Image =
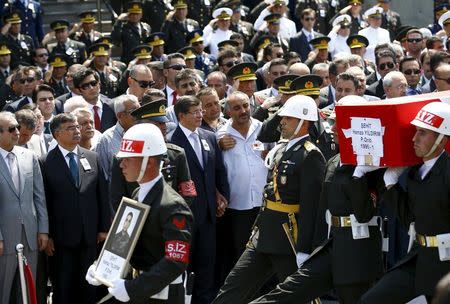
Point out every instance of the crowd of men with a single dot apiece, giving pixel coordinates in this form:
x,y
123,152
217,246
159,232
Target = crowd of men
x,y
220,117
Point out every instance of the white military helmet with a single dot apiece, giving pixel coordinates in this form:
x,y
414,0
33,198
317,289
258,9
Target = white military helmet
x,y
434,116
142,140
300,106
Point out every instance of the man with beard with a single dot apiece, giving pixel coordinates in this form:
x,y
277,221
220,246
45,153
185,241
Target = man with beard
x,y
244,80
212,120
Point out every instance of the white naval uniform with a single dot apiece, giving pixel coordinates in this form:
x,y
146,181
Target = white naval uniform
x,y
213,37
287,27
375,36
337,44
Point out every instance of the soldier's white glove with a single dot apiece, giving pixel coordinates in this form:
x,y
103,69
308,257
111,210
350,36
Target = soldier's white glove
x,y
301,258
361,170
392,174
119,291
90,276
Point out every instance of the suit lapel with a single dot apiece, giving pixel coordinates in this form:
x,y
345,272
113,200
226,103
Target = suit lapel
x,y
81,171
204,152
6,174
60,157
187,146
21,172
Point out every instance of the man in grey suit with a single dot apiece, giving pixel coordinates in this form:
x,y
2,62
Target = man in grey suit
x,y
22,205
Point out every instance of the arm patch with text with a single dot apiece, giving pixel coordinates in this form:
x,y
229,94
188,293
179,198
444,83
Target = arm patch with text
x,y
177,251
187,188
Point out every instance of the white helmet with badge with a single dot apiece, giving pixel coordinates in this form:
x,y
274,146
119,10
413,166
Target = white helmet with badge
x,y
300,106
434,116
142,140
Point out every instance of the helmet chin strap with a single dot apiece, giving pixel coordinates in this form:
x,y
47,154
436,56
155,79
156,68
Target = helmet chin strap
x,y
436,143
299,126
143,167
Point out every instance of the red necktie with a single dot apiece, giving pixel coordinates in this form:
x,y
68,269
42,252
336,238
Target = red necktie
x,y
174,98
97,118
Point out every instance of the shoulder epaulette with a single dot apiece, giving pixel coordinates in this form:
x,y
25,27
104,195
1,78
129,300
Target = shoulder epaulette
x,y
309,146
174,147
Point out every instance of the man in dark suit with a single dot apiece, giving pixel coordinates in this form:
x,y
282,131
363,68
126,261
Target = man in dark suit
x,y
29,78
79,212
386,62
300,42
64,45
88,83
210,179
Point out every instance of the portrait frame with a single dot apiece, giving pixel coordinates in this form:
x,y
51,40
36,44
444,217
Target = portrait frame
x,y
114,258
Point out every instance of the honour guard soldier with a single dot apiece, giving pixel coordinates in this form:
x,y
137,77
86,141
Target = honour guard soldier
x,y
320,53
58,64
129,31
162,251
244,74
142,54
76,51
284,229
423,201
156,41
345,260
109,75
203,61
177,27
357,45
87,35
20,45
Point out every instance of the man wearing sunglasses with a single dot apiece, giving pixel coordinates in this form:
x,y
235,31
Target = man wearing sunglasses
x,y
300,42
174,64
385,62
88,83
29,80
410,67
414,43
139,80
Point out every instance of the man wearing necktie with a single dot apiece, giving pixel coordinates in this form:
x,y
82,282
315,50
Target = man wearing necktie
x,y
22,205
79,210
209,176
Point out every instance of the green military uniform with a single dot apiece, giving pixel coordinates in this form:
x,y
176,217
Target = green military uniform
x,y
320,43
58,61
154,13
130,35
174,169
76,51
21,47
290,202
87,38
358,41
114,63
109,75
177,31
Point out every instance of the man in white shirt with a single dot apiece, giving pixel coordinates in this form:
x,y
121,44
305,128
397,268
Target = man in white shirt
x,y
213,36
245,168
339,35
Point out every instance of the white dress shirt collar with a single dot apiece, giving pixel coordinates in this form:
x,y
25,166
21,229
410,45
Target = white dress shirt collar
x,y
146,187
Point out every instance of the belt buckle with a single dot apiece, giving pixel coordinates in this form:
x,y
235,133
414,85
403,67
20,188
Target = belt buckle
x,y
421,240
432,241
346,221
335,221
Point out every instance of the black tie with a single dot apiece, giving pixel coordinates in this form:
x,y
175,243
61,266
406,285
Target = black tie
x,y
47,128
6,73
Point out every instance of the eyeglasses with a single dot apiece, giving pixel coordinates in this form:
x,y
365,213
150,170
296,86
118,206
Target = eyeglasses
x,y
42,55
177,67
387,65
231,63
414,40
13,128
198,113
28,79
309,19
412,71
144,84
73,128
89,85
444,79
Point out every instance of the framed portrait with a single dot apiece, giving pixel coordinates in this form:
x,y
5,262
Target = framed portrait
x,y
122,238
